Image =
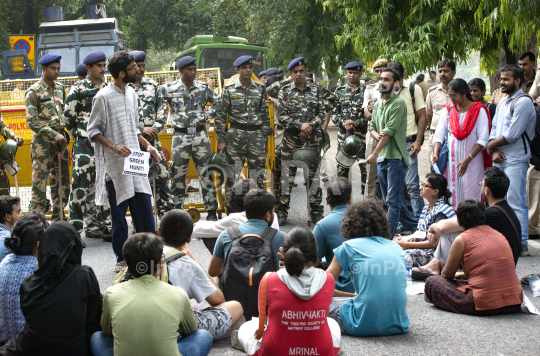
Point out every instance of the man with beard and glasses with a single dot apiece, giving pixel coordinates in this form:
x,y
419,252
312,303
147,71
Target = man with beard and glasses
x,y
389,128
113,127
438,97
509,146
82,206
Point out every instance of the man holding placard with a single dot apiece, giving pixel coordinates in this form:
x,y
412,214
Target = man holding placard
x,y
114,128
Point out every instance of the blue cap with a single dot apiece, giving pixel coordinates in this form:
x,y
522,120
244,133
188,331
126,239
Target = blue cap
x,y
50,58
272,71
186,61
81,69
139,56
297,62
94,57
280,71
354,66
242,60
262,73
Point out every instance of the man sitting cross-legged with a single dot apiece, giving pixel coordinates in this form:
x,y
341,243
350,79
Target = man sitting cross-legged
x,y
175,230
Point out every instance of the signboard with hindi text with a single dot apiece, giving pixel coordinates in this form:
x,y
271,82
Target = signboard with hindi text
x,y
24,42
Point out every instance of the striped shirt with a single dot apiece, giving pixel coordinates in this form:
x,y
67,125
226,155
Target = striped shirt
x,y
115,116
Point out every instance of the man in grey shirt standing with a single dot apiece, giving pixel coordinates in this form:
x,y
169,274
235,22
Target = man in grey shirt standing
x,y
113,129
509,143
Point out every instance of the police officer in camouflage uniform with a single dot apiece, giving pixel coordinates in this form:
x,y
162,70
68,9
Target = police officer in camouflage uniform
x,y
6,132
187,101
82,206
246,104
348,115
152,119
301,113
45,116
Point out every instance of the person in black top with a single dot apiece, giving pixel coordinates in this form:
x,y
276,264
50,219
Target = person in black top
x,y
499,216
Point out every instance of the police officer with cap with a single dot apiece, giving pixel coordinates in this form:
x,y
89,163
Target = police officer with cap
x,y
188,99
82,205
44,103
262,76
152,119
301,113
348,114
245,103
81,71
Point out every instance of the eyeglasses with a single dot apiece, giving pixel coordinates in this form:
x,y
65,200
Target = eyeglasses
x,y
135,67
453,96
481,184
424,185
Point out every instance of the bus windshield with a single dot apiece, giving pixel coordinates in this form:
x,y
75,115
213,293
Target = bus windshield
x,y
224,58
68,63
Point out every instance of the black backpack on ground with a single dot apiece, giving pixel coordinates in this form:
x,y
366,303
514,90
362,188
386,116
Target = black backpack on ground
x,y
248,259
534,143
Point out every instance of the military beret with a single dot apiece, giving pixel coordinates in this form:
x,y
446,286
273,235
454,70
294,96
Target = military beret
x,y
262,73
50,58
354,66
280,71
242,60
94,57
271,71
139,56
309,75
297,62
185,61
81,69
380,63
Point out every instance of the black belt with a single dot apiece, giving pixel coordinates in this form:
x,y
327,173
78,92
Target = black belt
x,y
235,125
184,130
410,138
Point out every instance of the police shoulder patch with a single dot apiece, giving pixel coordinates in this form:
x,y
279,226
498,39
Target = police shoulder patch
x,y
433,88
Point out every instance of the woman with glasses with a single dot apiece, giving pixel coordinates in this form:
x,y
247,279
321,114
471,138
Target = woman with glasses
x,y
465,131
434,189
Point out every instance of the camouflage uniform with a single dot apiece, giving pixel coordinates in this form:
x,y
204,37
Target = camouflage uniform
x,y
82,206
250,125
152,114
6,132
45,116
187,110
349,107
296,107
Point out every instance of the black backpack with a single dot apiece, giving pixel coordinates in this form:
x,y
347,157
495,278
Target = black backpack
x,y
534,144
248,259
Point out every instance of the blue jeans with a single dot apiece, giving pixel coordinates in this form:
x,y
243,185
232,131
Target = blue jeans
x,y
142,215
391,173
197,344
412,180
517,196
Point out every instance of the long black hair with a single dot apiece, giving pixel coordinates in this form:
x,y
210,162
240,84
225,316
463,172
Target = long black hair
x,y
26,233
299,248
461,87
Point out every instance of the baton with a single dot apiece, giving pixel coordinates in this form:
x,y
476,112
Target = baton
x,y
16,185
61,208
155,204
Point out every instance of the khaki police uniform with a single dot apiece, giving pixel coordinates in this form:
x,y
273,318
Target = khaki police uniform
x,y
371,91
436,99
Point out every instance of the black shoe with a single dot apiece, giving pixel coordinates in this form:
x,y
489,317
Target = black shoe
x,y
107,235
96,234
211,216
534,237
282,221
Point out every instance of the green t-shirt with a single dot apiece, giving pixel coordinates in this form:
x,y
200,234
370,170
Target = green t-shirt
x,y
144,315
392,119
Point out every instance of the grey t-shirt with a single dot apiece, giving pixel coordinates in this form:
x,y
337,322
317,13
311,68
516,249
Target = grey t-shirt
x,y
188,275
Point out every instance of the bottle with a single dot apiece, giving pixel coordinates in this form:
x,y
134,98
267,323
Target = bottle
x,y
408,267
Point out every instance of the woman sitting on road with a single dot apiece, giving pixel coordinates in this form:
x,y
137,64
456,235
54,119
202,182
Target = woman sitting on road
x,y
491,286
434,189
297,302
376,265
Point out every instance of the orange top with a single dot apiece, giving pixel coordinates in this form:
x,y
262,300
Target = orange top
x,y
489,264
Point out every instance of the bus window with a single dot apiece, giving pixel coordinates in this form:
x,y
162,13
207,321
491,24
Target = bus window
x,y
224,58
68,61
108,50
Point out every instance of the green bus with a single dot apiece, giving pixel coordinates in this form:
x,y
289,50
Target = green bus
x,y
221,52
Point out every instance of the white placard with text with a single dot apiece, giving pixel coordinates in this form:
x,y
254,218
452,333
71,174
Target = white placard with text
x,y
137,164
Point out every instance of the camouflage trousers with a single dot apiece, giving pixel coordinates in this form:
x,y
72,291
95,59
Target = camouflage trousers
x,y
343,171
164,198
45,166
4,183
250,145
184,147
284,181
82,200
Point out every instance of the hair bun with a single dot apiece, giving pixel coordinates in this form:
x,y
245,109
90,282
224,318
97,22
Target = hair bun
x,y
448,194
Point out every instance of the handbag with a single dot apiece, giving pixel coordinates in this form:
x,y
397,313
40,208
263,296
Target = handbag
x,y
262,305
442,158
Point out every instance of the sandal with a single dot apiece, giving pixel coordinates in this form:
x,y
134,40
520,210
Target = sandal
x,y
422,275
120,266
527,279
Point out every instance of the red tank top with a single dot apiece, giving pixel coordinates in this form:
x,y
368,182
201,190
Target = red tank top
x,y
297,326
489,264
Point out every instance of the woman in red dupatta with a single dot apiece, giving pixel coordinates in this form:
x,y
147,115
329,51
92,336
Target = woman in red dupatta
x,y
465,130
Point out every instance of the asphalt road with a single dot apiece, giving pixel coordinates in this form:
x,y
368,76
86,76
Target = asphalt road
x,y
432,331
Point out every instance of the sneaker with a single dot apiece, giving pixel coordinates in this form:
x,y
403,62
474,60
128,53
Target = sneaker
x,y
211,216
525,252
